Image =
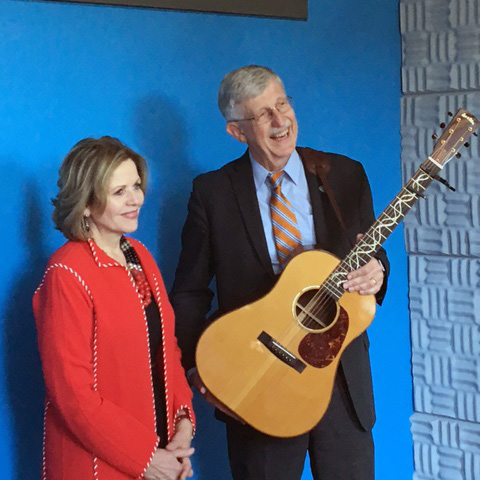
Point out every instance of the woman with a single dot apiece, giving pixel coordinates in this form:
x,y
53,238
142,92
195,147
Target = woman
x,y
118,404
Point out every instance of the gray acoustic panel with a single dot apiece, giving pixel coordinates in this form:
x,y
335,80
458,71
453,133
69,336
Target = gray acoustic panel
x,y
441,45
441,73
445,448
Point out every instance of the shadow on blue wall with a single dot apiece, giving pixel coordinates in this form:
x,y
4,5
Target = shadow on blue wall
x,y
162,137
22,361
210,460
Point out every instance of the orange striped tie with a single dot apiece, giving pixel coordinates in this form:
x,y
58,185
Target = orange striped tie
x,y
285,228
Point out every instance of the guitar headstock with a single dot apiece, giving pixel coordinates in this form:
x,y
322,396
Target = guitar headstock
x,y
453,137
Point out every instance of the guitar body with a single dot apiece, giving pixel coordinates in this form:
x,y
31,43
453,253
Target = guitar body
x,y
272,370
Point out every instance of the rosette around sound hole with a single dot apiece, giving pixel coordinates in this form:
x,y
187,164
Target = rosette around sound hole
x,y
315,309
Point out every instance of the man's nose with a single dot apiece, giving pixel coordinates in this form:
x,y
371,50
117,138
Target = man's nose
x,y
277,118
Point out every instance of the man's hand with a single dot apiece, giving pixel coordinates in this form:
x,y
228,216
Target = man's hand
x,y
195,381
367,280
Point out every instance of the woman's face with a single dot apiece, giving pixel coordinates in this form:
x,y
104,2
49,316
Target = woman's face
x,y
124,199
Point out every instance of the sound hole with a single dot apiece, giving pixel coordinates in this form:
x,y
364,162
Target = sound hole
x,y
315,313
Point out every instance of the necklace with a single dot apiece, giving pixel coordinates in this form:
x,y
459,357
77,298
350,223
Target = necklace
x,y
135,268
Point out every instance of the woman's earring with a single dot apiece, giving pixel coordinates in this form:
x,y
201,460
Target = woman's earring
x,y
85,223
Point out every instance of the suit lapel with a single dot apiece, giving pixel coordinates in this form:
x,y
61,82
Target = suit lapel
x,y
244,188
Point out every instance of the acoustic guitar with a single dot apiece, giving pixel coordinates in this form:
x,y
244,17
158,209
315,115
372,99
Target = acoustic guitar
x,y
273,362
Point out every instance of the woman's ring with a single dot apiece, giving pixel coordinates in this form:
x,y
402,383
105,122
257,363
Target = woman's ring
x,y
374,282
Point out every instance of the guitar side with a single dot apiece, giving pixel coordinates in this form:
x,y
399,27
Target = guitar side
x,y
262,385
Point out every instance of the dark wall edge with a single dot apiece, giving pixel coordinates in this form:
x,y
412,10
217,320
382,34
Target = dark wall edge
x,y
297,9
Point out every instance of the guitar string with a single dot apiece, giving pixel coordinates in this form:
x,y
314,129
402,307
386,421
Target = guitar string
x,y
359,255
323,296
393,213
421,180
325,300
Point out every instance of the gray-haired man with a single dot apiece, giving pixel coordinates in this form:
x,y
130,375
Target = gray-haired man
x,y
228,235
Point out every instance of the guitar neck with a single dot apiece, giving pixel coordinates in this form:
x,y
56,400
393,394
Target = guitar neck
x,y
456,133
370,243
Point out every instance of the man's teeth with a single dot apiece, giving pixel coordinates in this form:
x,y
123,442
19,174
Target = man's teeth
x,y
281,134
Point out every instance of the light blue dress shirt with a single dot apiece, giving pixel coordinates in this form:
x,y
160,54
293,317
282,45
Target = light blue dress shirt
x,y
295,189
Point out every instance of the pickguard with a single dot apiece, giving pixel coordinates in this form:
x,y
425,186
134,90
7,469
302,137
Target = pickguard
x,y
320,349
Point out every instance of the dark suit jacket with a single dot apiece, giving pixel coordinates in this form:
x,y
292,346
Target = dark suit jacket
x,y
223,238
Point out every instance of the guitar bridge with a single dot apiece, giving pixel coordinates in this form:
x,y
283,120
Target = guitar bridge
x,y
281,352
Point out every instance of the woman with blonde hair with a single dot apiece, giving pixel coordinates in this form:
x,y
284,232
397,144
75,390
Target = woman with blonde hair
x,y
118,405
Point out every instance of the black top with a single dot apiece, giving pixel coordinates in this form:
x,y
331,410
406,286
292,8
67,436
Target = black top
x,y
156,358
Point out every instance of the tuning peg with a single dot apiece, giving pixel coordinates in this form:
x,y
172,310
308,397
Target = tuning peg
x,y
434,136
467,144
475,133
458,155
442,125
450,114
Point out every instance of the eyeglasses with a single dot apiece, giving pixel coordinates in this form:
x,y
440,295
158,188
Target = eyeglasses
x,y
266,114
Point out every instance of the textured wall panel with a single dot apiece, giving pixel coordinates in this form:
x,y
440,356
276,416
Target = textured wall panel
x,y
445,448
454,305
435,241
441,73
441,45
465,13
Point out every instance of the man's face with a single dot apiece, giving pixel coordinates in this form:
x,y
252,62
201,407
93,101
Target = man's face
x,y
270,143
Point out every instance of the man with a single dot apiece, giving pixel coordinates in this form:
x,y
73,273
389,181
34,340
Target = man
x,y
231,235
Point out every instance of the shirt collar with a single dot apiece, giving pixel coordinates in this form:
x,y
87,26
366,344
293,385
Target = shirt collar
x,y
292,169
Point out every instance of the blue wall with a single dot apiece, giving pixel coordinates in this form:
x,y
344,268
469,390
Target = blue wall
x,y
150,77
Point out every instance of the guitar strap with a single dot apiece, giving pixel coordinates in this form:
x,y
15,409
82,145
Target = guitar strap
x,y
318,163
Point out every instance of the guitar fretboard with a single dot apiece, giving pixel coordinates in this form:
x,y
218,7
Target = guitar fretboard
x,y
373,239
455,134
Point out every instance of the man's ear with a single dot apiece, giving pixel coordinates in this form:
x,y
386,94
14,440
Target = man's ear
x,y
233,129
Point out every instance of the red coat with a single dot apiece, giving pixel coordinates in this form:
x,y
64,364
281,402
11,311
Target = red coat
x,y
93,342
